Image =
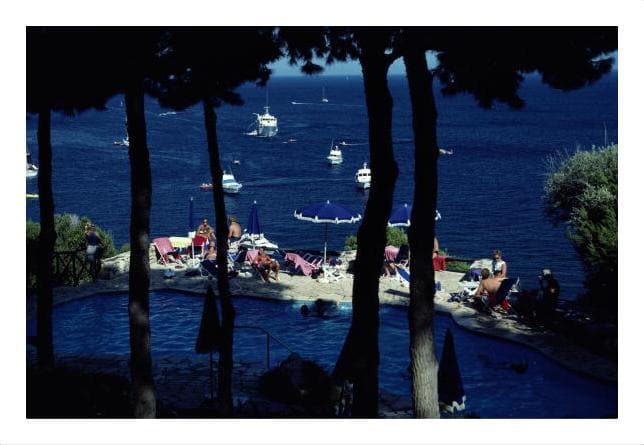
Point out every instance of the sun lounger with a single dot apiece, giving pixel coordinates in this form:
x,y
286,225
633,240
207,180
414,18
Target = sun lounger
x,y
405,278
305,267
167,253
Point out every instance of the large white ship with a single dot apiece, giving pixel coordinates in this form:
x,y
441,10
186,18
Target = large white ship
x,y
265,126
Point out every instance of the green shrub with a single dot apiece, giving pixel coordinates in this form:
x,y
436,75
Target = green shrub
x,y
70,236
457,266
581,192
396,237
351,242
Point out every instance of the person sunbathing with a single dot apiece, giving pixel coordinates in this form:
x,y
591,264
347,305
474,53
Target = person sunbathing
x,y
265,265
211,255
488,288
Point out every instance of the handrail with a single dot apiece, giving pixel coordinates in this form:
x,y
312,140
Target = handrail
x,y
268,342
66,269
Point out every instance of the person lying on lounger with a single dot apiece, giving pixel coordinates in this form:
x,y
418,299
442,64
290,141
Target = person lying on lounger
x,y
265,265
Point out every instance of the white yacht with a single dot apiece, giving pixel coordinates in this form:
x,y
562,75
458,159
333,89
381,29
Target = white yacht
x,y
32,169
265,126
229,184
335,155
363,177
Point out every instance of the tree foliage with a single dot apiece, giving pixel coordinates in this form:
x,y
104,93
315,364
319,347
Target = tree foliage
x,y
581,191
70,236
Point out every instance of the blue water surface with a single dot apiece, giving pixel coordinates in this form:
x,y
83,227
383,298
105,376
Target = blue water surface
x,y
98,326
490,190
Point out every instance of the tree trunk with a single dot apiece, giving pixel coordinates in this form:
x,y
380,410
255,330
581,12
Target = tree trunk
x,y
224,389
424,368
359,358
139,277
47,240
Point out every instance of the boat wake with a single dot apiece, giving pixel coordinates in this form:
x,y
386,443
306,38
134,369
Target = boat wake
x,y
168,113
302,103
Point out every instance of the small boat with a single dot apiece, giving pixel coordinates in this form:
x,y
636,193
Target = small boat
x,y
229,184
236,162
32,196
125,142
324,99
363,177
168,113
32,169
335,155
443,151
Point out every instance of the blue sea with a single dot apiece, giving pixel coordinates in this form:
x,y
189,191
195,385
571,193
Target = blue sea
x,y
490,189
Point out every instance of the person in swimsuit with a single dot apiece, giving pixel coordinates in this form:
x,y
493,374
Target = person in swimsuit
x,y
499,267
265,265
488,288
234,229
204,228
93,249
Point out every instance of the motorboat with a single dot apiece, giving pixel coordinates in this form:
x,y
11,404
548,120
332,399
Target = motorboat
x,y
256,241
363,177
335,155
229,184
125,142
324,99
32,169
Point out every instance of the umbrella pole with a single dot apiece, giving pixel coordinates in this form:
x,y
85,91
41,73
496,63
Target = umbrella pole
x,y
326,228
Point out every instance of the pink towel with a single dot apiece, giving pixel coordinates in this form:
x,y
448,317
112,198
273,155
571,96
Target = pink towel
x,y
391,253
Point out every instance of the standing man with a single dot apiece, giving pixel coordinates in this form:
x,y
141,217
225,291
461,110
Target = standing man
x,y
234,229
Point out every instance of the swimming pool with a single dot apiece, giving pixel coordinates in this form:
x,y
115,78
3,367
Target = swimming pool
x,y
98,326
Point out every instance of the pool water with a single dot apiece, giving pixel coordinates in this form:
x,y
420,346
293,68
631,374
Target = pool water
x,y
98,326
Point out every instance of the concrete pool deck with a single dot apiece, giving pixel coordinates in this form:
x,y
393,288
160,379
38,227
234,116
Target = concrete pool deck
x,y
296,287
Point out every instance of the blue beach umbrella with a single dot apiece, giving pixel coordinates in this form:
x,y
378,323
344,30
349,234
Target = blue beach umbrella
x,y
451,396
401,216
253,228
327,213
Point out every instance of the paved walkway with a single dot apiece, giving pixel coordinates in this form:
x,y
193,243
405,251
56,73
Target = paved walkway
x,y
391,291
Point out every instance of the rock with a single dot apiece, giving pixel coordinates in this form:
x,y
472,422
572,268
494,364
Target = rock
x,y
296,381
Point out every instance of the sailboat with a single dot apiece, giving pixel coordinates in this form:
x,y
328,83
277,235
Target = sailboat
x,y
125,142
324,99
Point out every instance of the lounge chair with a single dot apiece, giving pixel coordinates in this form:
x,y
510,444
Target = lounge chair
x,y
405,278
198,246
167,253
508,286
305,267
